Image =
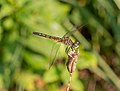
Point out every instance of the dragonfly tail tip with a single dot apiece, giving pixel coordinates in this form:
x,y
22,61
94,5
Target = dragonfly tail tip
x,y
36,33
33,32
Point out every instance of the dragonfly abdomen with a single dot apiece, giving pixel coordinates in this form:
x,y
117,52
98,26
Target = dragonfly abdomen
x,y
58,39
64,40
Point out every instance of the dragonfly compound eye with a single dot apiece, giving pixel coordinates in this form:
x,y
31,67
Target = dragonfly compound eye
x,y
76,44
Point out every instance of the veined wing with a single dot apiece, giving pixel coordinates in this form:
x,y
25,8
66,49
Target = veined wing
x,y
73,30
53,54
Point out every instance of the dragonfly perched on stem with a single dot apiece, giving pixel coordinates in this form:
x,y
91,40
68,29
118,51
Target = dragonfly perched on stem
x,y
64,40
71,49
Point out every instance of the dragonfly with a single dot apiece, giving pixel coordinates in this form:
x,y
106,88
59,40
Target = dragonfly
x,y
64,40
71,50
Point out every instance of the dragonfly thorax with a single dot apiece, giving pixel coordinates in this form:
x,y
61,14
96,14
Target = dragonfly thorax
x,y
67,41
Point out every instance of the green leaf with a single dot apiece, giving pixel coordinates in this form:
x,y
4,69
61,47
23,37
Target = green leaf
x,y
86,60
51,75
76,84
36,61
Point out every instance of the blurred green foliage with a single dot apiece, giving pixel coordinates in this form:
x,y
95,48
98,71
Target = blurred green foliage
x,y
24,58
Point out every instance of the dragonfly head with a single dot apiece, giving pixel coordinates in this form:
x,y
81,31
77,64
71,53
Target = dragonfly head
x,y
76,44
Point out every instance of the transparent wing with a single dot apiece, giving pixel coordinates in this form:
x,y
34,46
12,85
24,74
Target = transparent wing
x,y
74,29
53,54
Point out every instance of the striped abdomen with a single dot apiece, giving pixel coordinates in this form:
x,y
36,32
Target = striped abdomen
x,y
64,40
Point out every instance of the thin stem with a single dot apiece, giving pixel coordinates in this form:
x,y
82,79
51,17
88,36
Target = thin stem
x,y
69,83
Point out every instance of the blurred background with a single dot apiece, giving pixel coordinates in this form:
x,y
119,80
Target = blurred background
x,y
25,58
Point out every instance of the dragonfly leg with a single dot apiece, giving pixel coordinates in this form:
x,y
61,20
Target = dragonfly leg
x,y
67,49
